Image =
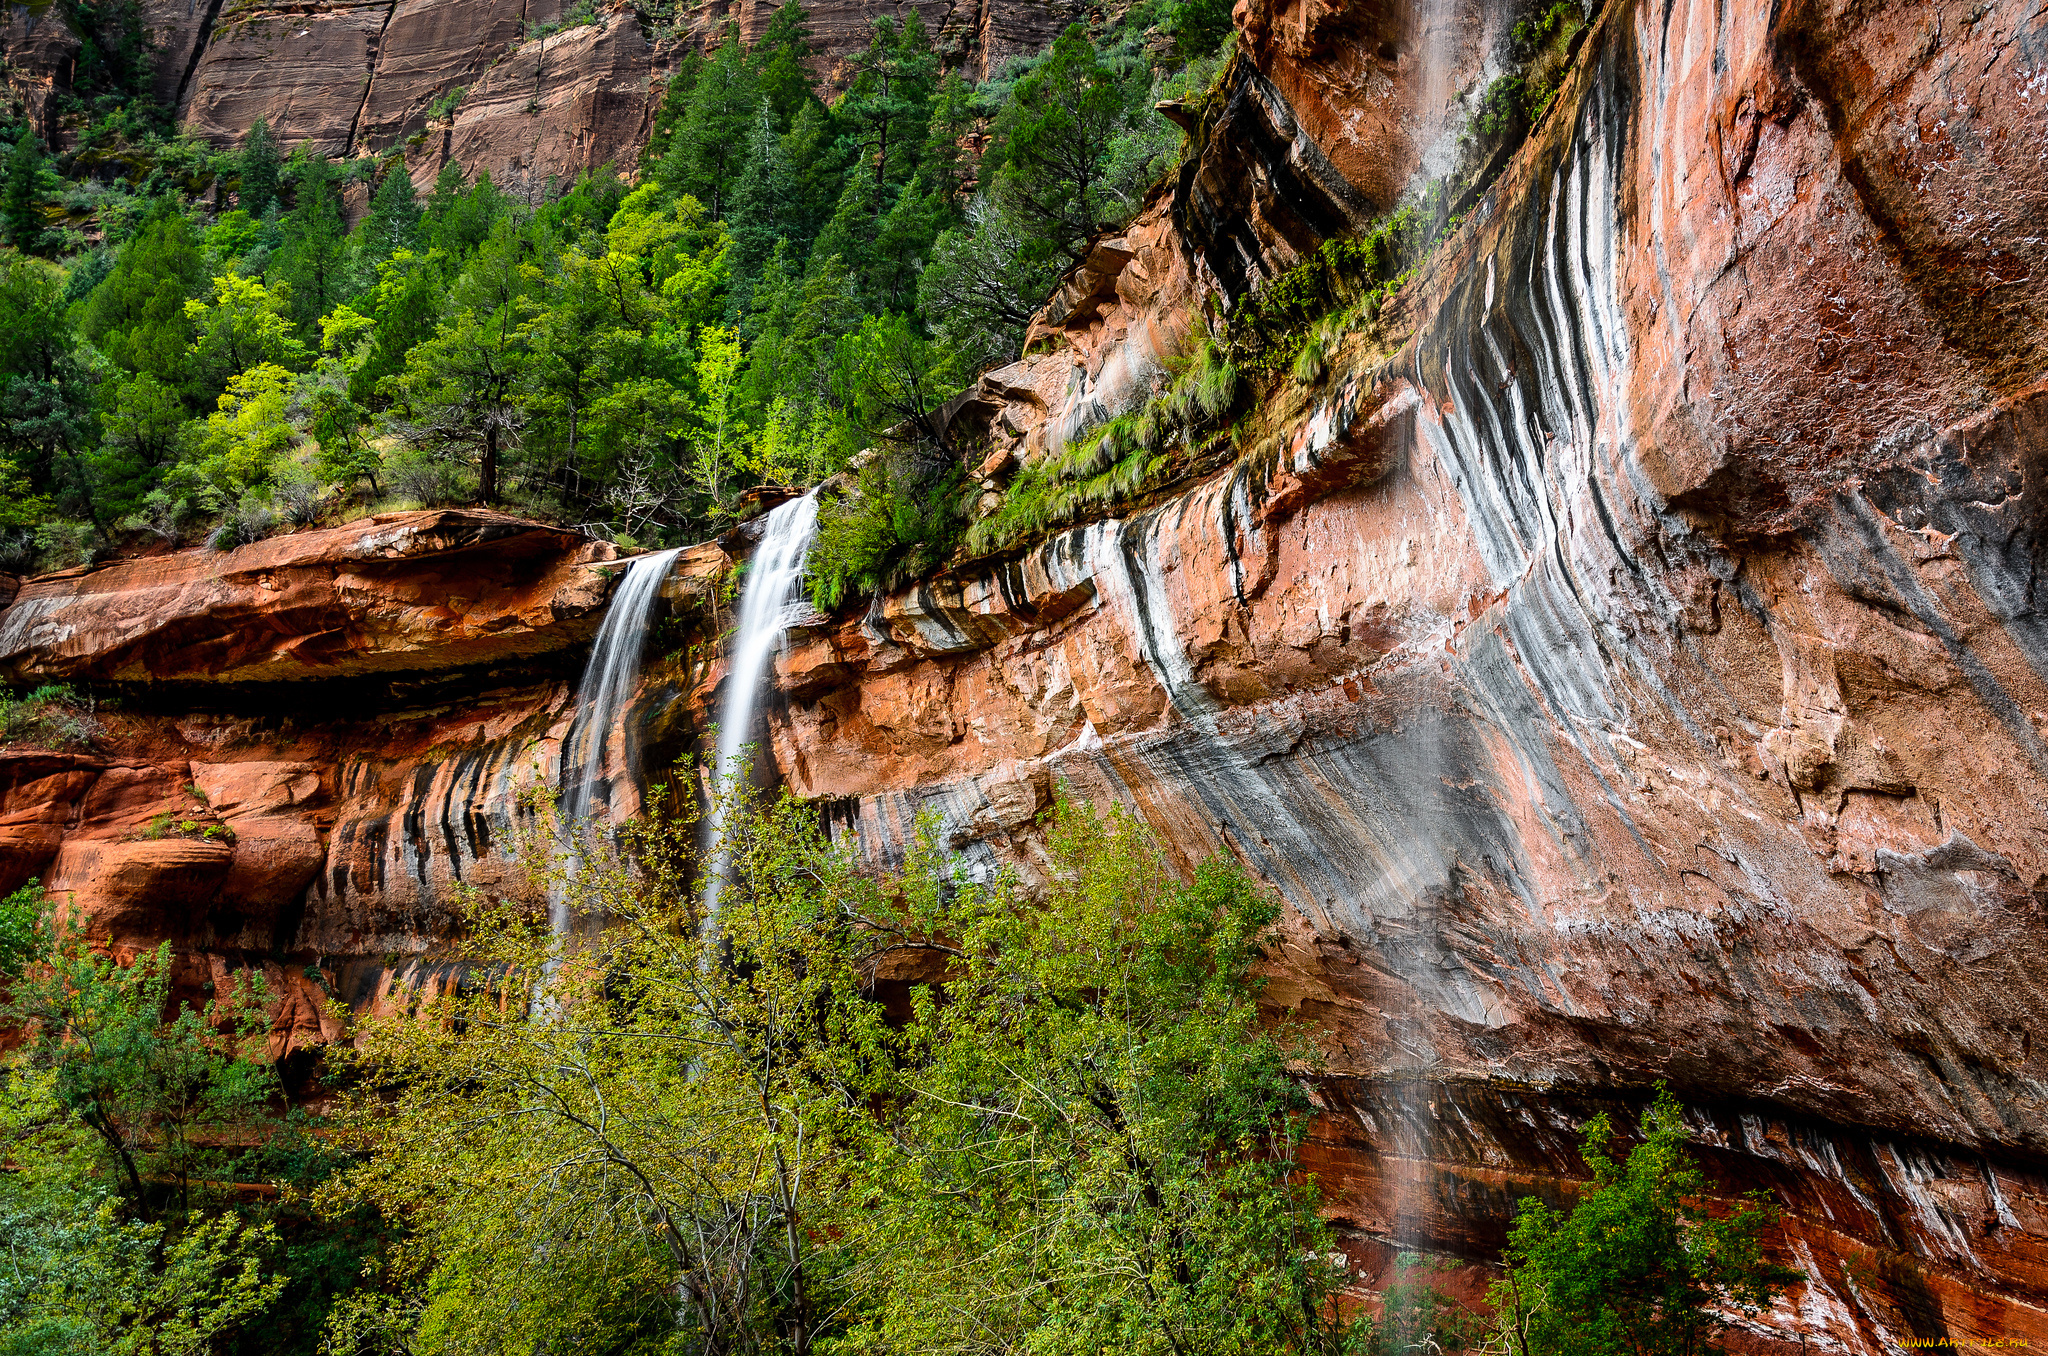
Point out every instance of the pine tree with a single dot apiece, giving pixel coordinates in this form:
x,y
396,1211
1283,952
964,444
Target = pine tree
x,y
1053,144
394,220
314,260
808,148
259,169
455,220
21,216
849,237
903,239
764,202
781,63
946,167
137,314
669,118
712,142
887,105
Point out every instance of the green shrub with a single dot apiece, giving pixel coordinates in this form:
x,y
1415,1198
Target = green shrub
x,y
52,716
1639,1265
446,103
1114,462
900,518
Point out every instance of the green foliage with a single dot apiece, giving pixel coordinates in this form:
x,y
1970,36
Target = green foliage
x,y
785,284
120,1113
137,314
241,325
717,1136
1639,1267
1537,54
899,519
312,266
1052,142
1267,329
1199,27
1091,1112
1113,463
51,717
445,103
259,170
158,1095
21,195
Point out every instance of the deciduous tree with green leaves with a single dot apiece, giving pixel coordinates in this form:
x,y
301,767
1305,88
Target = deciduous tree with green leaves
x,y
1074,1136
1640,1266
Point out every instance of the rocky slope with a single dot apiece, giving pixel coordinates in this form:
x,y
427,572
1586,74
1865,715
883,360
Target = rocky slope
x,y
1624,657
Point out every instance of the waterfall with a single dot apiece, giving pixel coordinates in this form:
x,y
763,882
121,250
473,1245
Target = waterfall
x,y
774,582
609,677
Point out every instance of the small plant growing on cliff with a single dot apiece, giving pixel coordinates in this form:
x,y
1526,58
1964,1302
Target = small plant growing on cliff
x,y
52,716
445,105
1640,1267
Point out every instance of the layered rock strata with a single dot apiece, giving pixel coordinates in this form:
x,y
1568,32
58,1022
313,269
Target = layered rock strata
x,y
1624,657
531,100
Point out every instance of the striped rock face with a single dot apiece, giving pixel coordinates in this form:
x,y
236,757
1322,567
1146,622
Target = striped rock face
x,y
1625,658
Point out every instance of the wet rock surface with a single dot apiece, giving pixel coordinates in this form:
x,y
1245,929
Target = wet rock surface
x,y
1624,659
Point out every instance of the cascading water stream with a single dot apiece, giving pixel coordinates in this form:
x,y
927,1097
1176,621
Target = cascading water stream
x,y
774,584
610,676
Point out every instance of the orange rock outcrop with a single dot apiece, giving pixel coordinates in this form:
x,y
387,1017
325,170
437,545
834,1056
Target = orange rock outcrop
x,y
1625,658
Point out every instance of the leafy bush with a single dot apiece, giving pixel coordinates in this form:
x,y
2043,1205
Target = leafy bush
x,y
64,542
162,515
52,716
899,518
243,525
298,493
1639,1265
1090,1137
426,479
445,103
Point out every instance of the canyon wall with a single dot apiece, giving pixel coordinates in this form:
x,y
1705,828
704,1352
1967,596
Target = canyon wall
x,y
1623,657
531,90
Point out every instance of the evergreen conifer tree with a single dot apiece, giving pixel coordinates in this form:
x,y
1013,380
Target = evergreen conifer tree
x,y
259,169
21,216
808,148
764,201
946,167
394,220
712,141
887,105
314,258
137,314
1054,141
781,62
668,119
849,237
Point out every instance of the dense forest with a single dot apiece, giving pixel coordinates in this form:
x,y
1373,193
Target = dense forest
x,y
197,345
854,1114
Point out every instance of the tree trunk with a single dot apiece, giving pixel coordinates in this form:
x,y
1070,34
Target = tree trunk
x,y
487,473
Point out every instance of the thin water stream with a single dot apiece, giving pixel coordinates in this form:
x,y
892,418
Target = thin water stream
x,y
773,588
610,676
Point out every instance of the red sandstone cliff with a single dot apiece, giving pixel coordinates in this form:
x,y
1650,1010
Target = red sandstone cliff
x,y
354,79
1625,658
